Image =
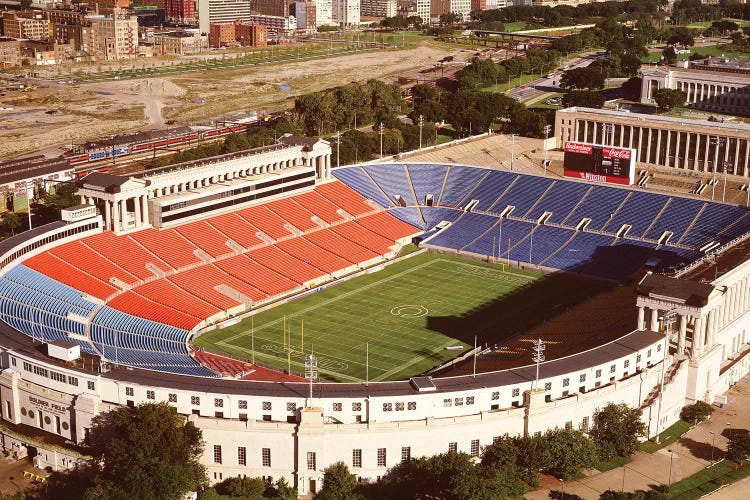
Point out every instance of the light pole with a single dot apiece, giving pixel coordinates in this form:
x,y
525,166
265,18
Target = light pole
x,y
713,445
382,129
717,143
338,149
537,356
421,122
547,130
671,458
562,485
512,149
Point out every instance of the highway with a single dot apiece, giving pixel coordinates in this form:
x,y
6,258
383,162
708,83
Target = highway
x,y
551,83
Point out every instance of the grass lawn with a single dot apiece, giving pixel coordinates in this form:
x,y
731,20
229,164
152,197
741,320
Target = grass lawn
x,y
408,312
708,480
710,50
541,105
505,86
614,464
669,436
520,25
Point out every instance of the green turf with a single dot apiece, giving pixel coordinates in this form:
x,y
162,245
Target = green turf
x,y
408,312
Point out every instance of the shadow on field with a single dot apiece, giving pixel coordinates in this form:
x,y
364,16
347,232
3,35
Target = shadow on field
x,y
520,310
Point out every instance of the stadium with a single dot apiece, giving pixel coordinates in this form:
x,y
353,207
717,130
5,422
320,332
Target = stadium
x,y
301,315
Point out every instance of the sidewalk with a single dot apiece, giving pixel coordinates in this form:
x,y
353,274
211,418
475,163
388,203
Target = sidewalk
x,y
688,455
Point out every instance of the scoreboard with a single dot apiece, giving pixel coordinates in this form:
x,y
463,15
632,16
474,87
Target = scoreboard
x,y
597,163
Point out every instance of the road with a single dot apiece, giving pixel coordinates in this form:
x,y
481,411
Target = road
x,y
551,84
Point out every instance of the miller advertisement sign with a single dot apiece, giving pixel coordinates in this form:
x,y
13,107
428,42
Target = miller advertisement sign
x,y
597,163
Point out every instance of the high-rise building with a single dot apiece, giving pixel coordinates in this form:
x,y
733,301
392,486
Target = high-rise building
x,y
323,12
478,5
346,12
251,35
221,35
221,11
306,13
181,11
114,37
378,8
278,8
29,25
423,10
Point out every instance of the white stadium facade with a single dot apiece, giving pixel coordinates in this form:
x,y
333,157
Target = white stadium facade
x,y
688,342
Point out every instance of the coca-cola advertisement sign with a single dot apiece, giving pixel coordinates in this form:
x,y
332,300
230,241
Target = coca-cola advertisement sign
x,y
597,163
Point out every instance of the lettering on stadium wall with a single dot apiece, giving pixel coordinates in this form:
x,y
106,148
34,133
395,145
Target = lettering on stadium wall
x,y
43,405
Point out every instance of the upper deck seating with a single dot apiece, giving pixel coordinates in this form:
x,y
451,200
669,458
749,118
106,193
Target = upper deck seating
x,y
427,179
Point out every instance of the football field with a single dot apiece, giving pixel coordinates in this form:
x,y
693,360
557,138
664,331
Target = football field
x,y
387,325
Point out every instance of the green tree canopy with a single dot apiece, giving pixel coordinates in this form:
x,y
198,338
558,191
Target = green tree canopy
x,y
10,222
338,483
569,452
145,452
582,78
616,428
739,446
669,98
584,98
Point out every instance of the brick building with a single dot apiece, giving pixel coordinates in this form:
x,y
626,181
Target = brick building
x,y
181,11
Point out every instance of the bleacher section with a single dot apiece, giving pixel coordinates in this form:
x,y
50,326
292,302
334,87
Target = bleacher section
x,y
134,341
39,307
599,248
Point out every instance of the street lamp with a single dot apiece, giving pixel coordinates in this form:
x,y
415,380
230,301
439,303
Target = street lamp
x,y
382,129
713,445
562,485
421,122
671,458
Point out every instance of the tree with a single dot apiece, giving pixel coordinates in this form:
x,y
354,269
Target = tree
x,y
696,413
669,98
739,446
282,490
725,26
145,452
584,98
616,428
669,55
338,483
582,78
64,196
10,221
569,452
248,487
682,36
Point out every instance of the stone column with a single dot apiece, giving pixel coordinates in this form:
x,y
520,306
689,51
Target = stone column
x,y
116,216
123,215
585,131
682,335
705,154
687,151
698,333
641,318
630,139
658,146
677,150
666,155
108,214
654,323
137,205
144,209
648,146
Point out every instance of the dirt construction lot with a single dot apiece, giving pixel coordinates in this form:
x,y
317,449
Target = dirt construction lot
x,y
57,114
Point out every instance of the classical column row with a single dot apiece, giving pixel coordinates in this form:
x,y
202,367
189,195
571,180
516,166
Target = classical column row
x,y
677,148
726,94
116,213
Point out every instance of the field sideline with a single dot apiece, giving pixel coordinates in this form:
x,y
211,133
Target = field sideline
x,y
408,313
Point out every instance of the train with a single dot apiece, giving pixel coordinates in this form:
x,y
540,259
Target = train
x,y
138,142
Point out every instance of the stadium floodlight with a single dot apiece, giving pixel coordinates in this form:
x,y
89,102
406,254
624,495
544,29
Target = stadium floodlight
x,y
547,130
311,372
421,122
537,355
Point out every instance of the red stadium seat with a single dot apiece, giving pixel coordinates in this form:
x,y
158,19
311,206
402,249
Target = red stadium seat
x,y
345,197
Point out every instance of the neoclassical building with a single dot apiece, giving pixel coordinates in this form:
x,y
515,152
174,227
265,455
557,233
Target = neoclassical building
x,y
186,191
660,140
713,84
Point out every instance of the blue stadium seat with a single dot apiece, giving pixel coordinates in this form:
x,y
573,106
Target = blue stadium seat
x,y
427,179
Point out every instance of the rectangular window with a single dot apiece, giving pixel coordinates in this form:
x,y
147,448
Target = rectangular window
x,y
582,377
405,454
459,402
27,366
474,447
612,368
150,395
266,457
73,380
566,382
452,447
59,377
412,405
13,361
128,391
381,457
627,363
41,371
470,400
357,458
337,406
291,407
91,385
242,455
217,453
310,460
399,406
387,406
356,406
495,395
447,402
569,425
516,392
173,398
548,386
267,405
585,424
598,373
195,400
242,404
218,402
